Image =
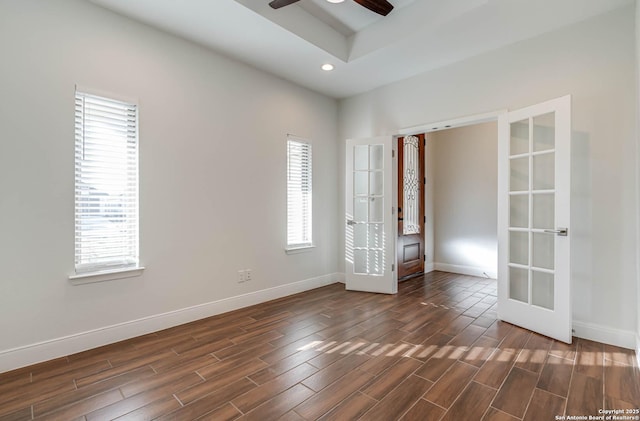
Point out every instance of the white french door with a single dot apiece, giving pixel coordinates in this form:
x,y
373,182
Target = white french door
x,y
369,219
534,288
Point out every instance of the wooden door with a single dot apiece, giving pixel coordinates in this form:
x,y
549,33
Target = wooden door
x,y
411,218
534,161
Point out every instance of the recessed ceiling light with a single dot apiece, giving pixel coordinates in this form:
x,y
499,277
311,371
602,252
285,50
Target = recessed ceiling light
x,y
327,67
335,1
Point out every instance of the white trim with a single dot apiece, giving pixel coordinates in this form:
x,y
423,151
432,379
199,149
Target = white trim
x,y
301,249
105,275
480,271
429,267
107,94
11,359
607,335
453,123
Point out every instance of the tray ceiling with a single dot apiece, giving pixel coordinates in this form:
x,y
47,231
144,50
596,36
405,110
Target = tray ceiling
x,y
366,49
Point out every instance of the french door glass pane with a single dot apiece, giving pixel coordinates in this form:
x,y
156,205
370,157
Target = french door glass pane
x,y
519,247
361,209
375,209
519,211
519,174
543,250
361,183
376,183
376,157
360,235
360,262
519,137
376,266
375,235
543,211
542,289
518,284
544,171
544,132
361,157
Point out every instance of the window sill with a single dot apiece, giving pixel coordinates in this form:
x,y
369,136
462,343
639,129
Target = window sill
x,y
302,249
105,275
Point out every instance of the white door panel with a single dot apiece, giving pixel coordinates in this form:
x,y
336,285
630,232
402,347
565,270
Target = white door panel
x,y
369,219
534,163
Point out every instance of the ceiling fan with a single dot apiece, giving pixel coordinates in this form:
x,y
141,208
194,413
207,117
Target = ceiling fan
x,y
381,7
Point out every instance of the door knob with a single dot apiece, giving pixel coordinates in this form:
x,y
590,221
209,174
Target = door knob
x,y
562,232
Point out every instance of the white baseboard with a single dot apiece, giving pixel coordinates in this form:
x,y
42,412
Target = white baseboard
x,y
429,267
622,338
638,347
31,354
482,272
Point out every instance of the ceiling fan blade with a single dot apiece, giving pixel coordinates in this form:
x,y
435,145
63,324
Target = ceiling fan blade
x,y
381,7
276,4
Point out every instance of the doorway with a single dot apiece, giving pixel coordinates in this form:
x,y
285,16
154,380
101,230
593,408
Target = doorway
x,y
462,178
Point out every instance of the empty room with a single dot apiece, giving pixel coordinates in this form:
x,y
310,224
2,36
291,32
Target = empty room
x,y
319,209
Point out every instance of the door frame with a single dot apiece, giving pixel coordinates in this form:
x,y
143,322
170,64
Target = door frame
x,y
454,123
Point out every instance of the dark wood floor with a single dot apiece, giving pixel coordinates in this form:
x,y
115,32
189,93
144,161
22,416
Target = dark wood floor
x,y
432,352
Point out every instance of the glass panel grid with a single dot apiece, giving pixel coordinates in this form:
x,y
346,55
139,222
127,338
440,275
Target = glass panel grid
x,y
532,210
368,230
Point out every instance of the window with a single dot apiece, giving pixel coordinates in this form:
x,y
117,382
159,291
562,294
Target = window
x,y
299,194
106,184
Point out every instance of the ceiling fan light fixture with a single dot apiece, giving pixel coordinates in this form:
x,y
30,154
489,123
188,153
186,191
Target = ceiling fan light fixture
x,y
327,67
381,7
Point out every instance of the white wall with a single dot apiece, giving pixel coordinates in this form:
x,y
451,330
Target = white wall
x,y
212,173
465,198
594,61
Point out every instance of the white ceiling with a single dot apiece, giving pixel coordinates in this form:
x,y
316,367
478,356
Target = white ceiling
x,y
367,50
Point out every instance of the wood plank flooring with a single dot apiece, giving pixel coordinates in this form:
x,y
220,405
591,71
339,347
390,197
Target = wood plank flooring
x,y
434,351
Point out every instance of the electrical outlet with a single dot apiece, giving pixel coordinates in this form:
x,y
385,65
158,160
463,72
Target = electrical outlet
x,y
241,276
248,276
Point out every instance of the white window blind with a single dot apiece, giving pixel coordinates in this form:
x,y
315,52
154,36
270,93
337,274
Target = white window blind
x,y
299,194
106,184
